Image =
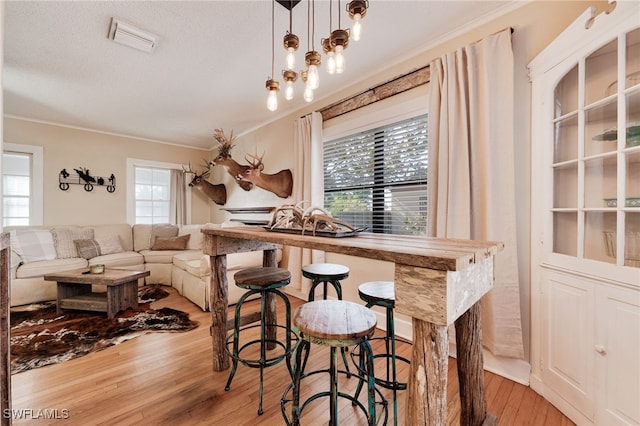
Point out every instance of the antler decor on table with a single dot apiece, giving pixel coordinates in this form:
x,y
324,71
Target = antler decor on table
x,y
294,219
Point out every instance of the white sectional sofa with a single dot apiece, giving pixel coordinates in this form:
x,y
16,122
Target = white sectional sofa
x,y
175,260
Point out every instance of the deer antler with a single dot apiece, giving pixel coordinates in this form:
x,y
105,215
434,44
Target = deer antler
x,y
225,144
257,164
185,171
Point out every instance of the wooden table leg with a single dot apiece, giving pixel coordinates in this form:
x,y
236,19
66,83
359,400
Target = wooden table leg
x,y
427,387
270,259
473,400
218,304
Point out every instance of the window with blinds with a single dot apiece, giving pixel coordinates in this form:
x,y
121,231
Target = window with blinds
x,y
378,178
152,194
16,188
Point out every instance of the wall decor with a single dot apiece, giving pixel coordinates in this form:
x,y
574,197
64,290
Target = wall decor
x,y
216,192
83,177
248,176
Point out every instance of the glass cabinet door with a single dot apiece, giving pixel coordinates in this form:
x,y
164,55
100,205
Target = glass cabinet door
x,y
596,167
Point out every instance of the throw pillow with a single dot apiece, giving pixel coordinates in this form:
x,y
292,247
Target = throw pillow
x,y
110,245
64,237
171,243
87,248
33,244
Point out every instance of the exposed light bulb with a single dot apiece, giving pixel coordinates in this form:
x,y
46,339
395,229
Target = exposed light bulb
x,y
357,27
288,91
308,93
313,79
291,58
331,63
272,100
339,58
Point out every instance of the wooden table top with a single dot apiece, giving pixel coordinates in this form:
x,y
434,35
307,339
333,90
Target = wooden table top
x,y
109,277
433,253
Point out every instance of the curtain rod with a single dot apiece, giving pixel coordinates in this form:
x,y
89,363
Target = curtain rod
x,y
384,90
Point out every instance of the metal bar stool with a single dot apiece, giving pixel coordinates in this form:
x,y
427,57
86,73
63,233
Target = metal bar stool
x,y
265,281
325,274
382,293
336,324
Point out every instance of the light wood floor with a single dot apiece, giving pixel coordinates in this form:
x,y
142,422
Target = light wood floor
x,y
167,378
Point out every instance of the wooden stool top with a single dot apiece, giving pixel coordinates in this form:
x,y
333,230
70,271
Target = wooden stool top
x,y
377,291
262,277
327,270
338,320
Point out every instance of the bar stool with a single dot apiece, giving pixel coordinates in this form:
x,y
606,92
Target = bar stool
x,y
336,324
382,293
325,274
264,281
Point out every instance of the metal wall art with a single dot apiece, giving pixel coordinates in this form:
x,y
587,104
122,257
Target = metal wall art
x,y
83,177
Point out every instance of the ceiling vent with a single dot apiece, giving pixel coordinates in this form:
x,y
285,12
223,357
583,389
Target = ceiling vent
x,y
127,34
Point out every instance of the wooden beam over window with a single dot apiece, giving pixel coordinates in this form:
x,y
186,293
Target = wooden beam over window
x,y
382,91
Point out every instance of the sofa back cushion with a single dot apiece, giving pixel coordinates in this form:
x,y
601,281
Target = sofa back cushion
x,y
195,241
105,234
33,244
64,237
144,235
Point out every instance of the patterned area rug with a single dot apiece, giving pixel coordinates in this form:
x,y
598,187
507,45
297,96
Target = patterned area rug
x,y
40,337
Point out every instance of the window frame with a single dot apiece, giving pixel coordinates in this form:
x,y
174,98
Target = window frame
x,y
132,163
36,199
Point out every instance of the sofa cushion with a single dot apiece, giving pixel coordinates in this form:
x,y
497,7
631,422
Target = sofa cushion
x,y
194,267
171,243
122,231
87,248
114,260
160,256
181,259
63,239
43,267
110,245
33,244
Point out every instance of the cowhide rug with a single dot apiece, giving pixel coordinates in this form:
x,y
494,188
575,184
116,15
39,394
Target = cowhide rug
x,y
40,337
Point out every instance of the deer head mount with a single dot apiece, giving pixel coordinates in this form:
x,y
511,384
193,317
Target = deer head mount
x,y
252,174
280,183
217,193
224,159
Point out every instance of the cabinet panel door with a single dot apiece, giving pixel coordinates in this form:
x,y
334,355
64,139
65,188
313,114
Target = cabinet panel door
x,y
568,358
618,356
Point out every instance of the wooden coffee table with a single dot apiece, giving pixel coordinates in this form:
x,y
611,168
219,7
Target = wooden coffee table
x,y
74,290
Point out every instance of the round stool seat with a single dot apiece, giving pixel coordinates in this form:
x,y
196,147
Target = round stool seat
x,y
325,271
377,291
262,277
325,320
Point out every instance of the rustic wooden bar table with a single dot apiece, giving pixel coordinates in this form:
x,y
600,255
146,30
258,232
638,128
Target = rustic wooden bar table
x,y
438,282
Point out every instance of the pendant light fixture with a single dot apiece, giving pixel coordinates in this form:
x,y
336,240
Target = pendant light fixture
x,y
291,43
312,58
357,9
272,85
326,44
339,41
289,77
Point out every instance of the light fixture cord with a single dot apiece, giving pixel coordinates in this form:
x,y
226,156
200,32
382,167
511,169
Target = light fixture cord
x,y
313,24
273,38
330,16
339,23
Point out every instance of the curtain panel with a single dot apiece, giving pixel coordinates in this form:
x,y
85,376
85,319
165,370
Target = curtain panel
x,y
471,171
178,199
308,187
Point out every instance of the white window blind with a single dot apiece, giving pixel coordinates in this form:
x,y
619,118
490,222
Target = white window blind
x,y
378,178
16,188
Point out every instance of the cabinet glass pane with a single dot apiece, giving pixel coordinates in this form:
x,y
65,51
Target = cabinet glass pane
x,y
632,239
633,180
633,59
566,94
601,73
599,229
566,140
565,232
600,182
565,186
601,133
633,119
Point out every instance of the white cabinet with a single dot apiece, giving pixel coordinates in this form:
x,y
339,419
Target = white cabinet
x,y
585,349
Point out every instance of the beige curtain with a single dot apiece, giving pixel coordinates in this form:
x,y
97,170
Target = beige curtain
x,y
471,171
308,186
178,199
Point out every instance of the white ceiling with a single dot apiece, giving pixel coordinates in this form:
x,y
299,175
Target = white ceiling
x,y
210,65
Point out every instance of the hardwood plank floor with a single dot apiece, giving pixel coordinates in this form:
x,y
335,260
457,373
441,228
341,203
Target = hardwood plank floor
x,y
167,378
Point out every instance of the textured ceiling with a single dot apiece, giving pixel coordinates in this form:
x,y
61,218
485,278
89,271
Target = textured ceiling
x,y
209,67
